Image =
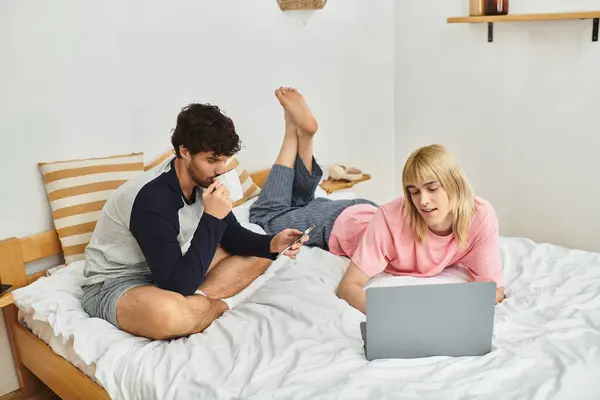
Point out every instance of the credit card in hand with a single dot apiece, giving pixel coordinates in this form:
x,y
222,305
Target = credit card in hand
x,y
305,233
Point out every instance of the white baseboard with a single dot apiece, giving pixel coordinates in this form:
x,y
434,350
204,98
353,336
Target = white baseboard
x,y
9,385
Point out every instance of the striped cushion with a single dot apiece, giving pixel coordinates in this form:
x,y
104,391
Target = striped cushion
x,y
77,191
159,160
249,187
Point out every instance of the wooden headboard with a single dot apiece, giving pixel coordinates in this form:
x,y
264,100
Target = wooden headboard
x,y
15,252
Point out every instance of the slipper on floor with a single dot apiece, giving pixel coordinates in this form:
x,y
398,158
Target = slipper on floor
x,y
342,172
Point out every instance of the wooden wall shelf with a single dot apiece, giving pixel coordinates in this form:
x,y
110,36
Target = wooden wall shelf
x,y
491,19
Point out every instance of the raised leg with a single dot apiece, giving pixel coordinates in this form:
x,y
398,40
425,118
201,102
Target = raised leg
x,y
289,147
295,175
231,275
287,198
299,115
305,148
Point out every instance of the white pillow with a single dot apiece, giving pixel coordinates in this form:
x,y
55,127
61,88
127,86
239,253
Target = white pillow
x,y
242,212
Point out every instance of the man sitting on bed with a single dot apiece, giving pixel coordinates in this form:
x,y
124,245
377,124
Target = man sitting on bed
x,y
167,253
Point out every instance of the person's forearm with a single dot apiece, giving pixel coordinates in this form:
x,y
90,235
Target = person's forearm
x,y
355,296
247,243
240,241
183,274
499,295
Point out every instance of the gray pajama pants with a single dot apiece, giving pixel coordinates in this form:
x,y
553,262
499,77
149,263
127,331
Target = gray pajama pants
x,y
287,200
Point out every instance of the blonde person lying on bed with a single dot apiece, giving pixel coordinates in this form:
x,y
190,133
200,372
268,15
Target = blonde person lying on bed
x,y
167,253
437,223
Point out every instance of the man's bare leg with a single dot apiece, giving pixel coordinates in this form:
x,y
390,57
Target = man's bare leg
x,y
306,124
232,275
160,314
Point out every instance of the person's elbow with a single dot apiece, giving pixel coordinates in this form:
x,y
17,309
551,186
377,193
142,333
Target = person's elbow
x,y
353,294
345,289
351,287
339,292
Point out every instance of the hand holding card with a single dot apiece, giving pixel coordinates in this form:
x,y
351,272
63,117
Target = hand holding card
x,y
291,240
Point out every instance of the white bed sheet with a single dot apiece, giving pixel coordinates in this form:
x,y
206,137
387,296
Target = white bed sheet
x,y
295,339
61,346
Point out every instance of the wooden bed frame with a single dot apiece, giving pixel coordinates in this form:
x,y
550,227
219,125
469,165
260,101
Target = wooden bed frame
x,y
36,363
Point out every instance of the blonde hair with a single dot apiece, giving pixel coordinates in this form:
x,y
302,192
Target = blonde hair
x,y
436,163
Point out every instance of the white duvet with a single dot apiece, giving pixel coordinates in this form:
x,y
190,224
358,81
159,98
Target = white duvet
x,y
294,339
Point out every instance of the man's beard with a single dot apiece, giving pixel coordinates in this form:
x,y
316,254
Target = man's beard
x,y
199,182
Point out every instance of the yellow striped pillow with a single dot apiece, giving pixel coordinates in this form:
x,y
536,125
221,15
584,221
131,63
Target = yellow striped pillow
x,y
77,191
250,188
160,159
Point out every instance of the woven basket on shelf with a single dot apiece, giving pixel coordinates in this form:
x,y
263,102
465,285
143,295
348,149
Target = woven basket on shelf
x,y
287,5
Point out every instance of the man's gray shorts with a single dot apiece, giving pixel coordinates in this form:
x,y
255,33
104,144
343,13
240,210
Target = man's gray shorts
x,y
100,299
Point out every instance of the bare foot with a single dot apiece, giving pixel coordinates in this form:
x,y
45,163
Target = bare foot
x,y
294,103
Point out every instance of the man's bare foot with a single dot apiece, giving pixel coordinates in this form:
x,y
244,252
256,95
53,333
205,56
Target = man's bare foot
x,y
294,103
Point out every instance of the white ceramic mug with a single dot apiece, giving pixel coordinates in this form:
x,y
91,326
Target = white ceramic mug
x,y
231,180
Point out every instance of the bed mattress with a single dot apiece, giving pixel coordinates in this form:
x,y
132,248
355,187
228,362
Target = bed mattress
x,y
294,339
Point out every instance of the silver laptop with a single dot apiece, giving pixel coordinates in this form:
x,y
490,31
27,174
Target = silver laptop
x,y
455,319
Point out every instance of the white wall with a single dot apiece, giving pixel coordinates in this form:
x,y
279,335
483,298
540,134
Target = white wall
x,y
82,79
521,113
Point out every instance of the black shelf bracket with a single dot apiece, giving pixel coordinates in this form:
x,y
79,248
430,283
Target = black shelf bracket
x,y
595,29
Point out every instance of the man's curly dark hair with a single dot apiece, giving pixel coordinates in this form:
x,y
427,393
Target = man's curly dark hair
x,y
204,128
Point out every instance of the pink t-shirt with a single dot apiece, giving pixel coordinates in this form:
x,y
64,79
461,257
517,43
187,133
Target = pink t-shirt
x,y
379,239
